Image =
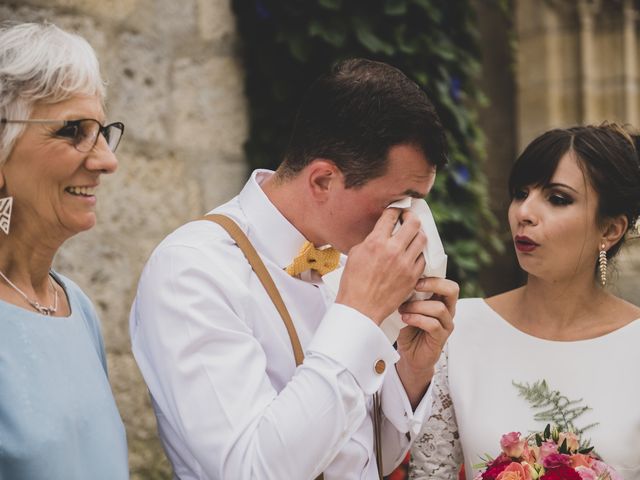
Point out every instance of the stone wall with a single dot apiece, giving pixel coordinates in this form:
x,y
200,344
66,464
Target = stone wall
x,y
176,83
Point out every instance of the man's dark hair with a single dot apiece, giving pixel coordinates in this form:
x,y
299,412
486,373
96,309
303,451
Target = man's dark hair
x,y
354,114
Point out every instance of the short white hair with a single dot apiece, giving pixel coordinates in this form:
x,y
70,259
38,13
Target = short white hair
x,y
40,62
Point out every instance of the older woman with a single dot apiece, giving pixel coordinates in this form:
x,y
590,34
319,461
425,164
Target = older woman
x,y
58,418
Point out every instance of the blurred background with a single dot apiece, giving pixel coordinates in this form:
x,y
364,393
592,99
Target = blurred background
x,y
207,90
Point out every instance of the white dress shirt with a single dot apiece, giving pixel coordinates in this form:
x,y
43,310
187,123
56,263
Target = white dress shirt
x,y
217,359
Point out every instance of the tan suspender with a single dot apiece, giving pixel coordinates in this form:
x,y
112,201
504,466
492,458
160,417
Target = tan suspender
x,y
258,266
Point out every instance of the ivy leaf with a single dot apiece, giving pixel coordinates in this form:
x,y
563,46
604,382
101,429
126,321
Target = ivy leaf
x,y
368,39
335,34
300,48
405,45
330,4
395,7
433,12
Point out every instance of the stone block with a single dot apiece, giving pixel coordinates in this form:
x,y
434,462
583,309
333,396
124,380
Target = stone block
x,y
210,110
215,19
167,21
212,167
139,87
115,10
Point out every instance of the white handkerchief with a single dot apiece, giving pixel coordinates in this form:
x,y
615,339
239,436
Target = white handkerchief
x,y
436,262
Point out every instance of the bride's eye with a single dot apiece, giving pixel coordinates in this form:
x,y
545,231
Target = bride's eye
x,y
560,200
520,194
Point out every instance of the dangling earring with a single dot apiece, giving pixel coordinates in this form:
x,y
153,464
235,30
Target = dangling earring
x,y
5,213
602,261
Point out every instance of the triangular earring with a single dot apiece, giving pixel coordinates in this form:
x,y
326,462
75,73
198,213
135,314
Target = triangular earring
x,y
5,214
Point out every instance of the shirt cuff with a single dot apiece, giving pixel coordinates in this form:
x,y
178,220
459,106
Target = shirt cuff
x,y
396,406
357,343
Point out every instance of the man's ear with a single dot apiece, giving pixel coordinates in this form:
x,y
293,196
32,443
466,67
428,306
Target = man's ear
x,y
614,229
323,176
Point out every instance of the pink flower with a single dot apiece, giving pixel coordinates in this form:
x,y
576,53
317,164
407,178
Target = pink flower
x,y
512,445
573,441
580,460
515,471
586,473
546,449
556,460
605,471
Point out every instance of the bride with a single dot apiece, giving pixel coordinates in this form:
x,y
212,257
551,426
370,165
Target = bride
x,y
560,349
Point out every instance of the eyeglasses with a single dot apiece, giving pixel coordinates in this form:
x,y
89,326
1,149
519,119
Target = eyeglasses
x,y
82,133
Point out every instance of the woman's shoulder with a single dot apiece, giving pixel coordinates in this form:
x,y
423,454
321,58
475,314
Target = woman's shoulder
x,y
77,297
470,308
474,316
82,308
72,289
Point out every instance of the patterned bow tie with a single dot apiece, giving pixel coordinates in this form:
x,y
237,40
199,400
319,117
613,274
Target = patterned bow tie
x,y
322,261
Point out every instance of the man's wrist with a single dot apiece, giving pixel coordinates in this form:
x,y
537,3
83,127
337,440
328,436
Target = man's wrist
x,y
367,312
415,381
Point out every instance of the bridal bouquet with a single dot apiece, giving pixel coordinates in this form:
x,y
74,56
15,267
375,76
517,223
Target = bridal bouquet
x,y
548,455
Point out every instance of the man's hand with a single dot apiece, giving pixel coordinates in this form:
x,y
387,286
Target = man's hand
x,y
382,271
429,324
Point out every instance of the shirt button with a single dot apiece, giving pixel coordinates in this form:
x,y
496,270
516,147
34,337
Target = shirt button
x,y
379,367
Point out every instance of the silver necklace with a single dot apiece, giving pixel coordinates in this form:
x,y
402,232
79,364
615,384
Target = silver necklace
x,y
34,303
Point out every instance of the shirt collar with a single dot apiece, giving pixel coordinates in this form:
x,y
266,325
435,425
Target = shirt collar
x,y
269,231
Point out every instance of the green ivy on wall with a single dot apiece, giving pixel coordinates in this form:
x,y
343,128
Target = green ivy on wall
x,y
289,43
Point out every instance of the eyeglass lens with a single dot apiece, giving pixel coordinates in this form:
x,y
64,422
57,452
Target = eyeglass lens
x,y
87,135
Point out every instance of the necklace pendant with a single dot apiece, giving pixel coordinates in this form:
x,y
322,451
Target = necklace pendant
x,y
47,311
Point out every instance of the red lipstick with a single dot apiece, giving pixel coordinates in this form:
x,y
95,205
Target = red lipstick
x,y
525,244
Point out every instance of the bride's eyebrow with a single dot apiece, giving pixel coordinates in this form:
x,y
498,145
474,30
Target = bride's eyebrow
x,y
560,185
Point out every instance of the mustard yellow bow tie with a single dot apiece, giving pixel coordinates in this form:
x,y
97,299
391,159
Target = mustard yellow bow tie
x,y
322,261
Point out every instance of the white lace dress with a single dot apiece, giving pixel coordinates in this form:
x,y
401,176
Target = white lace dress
x,y
476,402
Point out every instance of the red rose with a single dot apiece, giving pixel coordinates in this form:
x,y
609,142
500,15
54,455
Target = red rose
x,y
494,469
556,460
499,460
561,473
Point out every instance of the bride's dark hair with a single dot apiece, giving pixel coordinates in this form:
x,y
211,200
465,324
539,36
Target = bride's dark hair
x,y
607,153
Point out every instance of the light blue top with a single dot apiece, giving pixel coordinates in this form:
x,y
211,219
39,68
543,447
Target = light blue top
x,y
58,418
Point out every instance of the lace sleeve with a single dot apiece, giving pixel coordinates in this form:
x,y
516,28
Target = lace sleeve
x,y
437,453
